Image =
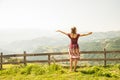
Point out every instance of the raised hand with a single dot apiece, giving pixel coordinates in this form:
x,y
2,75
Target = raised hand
x,y
90,32
58,31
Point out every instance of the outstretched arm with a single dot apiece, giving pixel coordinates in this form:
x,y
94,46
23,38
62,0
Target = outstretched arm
x,y
86,34
61,32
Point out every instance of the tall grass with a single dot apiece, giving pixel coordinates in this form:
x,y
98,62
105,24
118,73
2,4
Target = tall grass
x,y
57,72
32,69
108,71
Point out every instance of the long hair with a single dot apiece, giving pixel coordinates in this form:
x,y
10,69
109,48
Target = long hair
x,y
73,30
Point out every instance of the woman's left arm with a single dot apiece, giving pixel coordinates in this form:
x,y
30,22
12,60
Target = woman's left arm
x,y
86,34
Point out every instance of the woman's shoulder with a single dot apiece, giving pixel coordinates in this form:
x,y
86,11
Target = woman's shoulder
x,y
68,34
78,34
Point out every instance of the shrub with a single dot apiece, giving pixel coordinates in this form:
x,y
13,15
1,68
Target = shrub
x,y
38,69
54,67
91,70
26,70
118,66
104,73
11,70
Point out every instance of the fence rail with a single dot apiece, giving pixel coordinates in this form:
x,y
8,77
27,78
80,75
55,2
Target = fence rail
x,y
25,55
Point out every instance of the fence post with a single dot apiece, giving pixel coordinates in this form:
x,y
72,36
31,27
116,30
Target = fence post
x,y
1,61
25,58
104,57
49,59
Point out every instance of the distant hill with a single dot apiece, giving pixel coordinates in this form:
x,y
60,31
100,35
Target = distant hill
x,y
96,41
60,43
5,51
31,45
102,35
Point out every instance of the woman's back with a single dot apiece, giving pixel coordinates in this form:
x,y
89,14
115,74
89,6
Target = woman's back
x,y
74,38
73,35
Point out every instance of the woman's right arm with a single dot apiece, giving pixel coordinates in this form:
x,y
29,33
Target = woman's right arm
x,y
62,32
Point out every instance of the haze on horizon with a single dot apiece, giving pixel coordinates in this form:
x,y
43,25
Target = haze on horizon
x,y
27,19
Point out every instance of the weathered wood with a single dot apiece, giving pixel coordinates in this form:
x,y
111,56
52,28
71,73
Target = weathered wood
x,y
38,61
113,52
49,59
25,62
104,57
98,59
13,55
13,62
40,54
59,60
92,52
1,60
60,53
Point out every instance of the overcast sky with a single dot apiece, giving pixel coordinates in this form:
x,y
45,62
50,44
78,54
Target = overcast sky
x,y
39,17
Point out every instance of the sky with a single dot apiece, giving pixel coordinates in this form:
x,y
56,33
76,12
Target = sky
x,y
25,19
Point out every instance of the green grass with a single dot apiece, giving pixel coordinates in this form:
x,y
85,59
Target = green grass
x,y
57,72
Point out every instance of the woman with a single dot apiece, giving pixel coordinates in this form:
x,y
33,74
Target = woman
x,y
74,47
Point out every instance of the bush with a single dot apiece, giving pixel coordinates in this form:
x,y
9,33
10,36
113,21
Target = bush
x,y
26,70
91,70
118,66
104,73
54,67
38,70
11,70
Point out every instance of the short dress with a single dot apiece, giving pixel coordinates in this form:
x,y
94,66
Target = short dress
x,y
73,46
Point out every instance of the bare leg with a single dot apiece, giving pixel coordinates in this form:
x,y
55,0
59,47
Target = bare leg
x,y
75,64
71,64
77,51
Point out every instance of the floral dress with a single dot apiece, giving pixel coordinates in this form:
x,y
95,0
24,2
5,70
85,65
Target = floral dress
x,y
74,47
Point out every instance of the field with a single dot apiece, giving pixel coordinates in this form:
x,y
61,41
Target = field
x,y
57,72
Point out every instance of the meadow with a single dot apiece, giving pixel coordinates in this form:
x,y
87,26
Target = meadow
x,y
58,72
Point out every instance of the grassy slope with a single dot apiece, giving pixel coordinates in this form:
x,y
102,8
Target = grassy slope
x,y
56,72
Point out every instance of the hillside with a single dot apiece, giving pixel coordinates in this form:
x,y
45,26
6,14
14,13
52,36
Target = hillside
x,y
97,40
94,42
5,51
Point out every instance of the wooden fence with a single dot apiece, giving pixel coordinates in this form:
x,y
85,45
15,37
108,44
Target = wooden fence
x,y
25,55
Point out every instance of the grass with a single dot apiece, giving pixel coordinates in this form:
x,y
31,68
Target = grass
x,y
57,72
